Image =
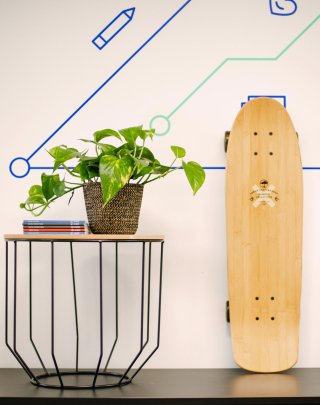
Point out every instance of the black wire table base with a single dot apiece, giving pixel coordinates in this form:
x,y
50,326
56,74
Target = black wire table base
x,y
77,384
26,332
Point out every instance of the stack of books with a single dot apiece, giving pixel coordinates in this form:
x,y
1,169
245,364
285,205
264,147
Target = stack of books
x,y
54,226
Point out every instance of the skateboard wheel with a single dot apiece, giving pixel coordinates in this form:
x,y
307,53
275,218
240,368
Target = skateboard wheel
x,y
226,140
228,312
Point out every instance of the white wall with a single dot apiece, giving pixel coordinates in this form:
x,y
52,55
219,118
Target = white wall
x,y
49,67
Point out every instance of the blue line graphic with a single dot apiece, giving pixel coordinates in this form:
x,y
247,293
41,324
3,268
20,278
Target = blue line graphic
x,y
166,118
277,9
113,28
282,99
203,167
94,93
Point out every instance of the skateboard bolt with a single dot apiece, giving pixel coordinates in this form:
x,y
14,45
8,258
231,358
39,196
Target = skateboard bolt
x,y
272,318
257,298
257,318
255,153
271,153
255,133
270,133
272,298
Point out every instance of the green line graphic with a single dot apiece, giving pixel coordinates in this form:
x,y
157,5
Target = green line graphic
x,y
166,119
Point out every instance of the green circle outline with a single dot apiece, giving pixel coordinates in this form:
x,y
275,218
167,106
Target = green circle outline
x,y
167,121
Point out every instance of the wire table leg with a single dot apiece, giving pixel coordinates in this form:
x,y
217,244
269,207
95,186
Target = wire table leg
x,y
101,315
141,316
52,316
13,351
75,308
147,303
116,307
159,315
149,288
30,309
26,368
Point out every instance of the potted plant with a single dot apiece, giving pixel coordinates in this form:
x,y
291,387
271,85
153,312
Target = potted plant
x,y
112,179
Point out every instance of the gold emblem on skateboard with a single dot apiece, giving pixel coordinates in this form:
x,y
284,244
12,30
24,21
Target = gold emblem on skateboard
x,y
264,194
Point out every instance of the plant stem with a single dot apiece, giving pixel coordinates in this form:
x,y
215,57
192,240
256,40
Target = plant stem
x,y
141,179
69,171
161,175
46,205
142,147
69,182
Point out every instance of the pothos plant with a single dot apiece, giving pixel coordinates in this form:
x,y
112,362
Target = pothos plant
x,y
113,166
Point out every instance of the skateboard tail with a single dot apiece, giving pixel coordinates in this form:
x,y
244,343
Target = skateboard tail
x,y
265,370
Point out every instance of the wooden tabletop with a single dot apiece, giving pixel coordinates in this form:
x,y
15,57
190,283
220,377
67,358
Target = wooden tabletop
x,y
83,238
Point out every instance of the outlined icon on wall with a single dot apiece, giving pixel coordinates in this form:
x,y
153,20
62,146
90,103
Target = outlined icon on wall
x,y
281,99
113,28
20,167
283,7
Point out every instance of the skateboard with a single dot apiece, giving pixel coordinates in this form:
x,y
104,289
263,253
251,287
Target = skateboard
x,y
264,236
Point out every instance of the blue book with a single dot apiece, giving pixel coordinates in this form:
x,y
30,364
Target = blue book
x,y
54,233
52,222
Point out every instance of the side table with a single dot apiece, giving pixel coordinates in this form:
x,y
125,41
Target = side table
x,y
146,247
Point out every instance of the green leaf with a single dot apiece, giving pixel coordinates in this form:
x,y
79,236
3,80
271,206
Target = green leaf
x,y
88,158
141,171
76,169
178,151
62,154
93,171
141,161
159,168
141,167
154,168
131,134
83,168
106,149
115,172
48,184
146,153
104,133
58,187
123,150
88,167
35,190
145,133
83,171
195,175
35,199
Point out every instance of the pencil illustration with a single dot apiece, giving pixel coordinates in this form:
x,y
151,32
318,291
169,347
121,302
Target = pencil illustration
x,y
113,28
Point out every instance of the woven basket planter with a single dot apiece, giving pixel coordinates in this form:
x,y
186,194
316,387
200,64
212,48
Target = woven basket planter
x,y
119,216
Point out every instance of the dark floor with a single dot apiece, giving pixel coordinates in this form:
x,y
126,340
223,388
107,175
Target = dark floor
x,y
183,386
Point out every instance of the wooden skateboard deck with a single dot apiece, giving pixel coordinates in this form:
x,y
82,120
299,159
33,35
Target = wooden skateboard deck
x,y
264,236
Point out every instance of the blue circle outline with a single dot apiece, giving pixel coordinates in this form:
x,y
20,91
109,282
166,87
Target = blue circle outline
x,y
22,175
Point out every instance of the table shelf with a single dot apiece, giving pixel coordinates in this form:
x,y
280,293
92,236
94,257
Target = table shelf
x,y
21,279
176,387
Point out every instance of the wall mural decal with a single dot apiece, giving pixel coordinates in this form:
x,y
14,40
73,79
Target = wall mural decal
x,y
283,7
51,89
20,167
281,99
113,28
164,120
